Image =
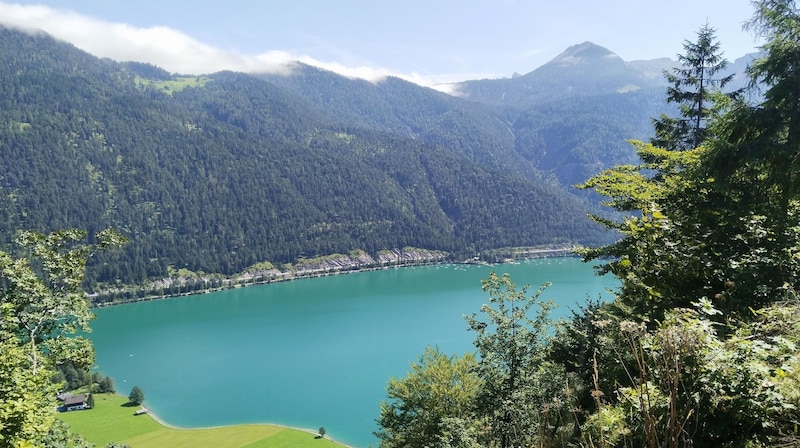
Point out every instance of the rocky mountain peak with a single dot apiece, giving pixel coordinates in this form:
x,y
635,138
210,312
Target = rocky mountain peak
x,y
584,53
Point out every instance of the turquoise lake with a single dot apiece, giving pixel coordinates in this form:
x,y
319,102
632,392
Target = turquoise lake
x,y
307,353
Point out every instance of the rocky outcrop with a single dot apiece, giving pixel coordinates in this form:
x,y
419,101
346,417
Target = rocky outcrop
x,y
410,255
332,263
357,260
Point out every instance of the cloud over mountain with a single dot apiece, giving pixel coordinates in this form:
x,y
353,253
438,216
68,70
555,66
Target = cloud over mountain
x,y
168,48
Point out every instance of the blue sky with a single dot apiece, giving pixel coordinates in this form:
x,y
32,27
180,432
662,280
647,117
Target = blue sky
x,y
425,41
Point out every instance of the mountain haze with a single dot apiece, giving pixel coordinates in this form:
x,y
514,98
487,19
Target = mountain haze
x,y
572,116
560,123
585,69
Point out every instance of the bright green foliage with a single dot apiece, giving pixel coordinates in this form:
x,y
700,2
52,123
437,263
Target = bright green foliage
x,y
607,426
438,389
136,396
511,396
642,187
692,235
61,435
457,432
692,86
662,257
27,397
522,391
41,308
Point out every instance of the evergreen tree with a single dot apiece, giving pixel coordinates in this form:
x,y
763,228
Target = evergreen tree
x,y
754,160
778,117
710,274
692,85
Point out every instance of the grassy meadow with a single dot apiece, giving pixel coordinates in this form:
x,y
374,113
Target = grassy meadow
x,y
174,85
112,421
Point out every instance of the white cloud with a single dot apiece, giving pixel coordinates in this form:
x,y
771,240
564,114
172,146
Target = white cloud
x,y
162,46
173,50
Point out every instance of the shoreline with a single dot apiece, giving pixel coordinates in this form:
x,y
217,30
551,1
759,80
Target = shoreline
x,y
162,422
331,265
560,253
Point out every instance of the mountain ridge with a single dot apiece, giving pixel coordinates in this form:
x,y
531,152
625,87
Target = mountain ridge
x,y
224,171
219,172
580,70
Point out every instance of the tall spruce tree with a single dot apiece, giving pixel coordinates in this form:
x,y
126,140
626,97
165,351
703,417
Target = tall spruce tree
x,y
754,158
710,272
691,87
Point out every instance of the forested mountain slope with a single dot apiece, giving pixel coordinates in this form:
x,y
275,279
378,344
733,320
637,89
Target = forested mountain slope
x,y
218,172
575,113
574,138
561,122
478,132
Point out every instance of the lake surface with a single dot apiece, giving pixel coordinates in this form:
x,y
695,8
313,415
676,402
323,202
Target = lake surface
x,y
311,352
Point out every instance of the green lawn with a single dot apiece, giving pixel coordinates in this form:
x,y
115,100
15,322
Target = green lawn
x,y
174,85
112,421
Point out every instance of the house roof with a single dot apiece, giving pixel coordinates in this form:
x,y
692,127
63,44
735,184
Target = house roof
x,y
70,399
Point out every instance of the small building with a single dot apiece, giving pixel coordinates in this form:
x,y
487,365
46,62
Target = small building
x,y
74,402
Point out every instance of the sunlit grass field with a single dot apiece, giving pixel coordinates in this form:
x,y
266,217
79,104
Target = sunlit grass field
x,y
112,421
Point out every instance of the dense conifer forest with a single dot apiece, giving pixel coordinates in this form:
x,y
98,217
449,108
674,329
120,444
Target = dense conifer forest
x,y
217,173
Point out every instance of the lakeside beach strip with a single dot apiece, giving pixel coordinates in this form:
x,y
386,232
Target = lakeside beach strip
x,y
114,420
